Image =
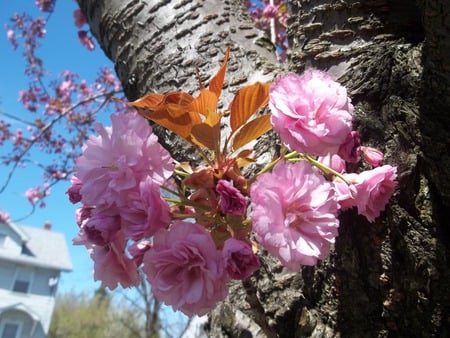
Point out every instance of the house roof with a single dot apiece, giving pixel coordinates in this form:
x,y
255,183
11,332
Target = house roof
x,y
42,247
22,235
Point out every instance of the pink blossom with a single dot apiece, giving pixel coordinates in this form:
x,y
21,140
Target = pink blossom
x,y
108,76
11,36
145,211
240,261
86,40
138,249
374,189
37,27
64,88
294,214
311,112
4,216
270,11
349,150
57,174
334,162
29,98
345,192
372,156
82,214
18,137
35,194
84,89
115,162
80,20
231,199
112,266
101,228
74,190
185,269
45,5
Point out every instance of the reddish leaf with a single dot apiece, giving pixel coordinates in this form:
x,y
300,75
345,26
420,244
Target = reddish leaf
x,y
247,102
206,135
170,111
180,125
177,103
216,83
149,101
252,130
205,103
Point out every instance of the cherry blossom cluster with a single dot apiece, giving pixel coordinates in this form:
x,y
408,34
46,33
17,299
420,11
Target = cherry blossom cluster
x,y
125,222
190,230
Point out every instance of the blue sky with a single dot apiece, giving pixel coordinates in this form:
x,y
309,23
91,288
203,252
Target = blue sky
x,y
60,51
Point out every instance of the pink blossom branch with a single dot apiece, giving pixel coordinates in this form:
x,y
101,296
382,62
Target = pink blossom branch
x,y
48,126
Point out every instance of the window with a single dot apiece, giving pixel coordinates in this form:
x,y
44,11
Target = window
x,y
22,281
11,330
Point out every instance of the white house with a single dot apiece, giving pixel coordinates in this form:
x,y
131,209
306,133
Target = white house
x,y
31,260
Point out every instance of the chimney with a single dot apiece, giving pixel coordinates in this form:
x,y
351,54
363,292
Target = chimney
x,y
48,226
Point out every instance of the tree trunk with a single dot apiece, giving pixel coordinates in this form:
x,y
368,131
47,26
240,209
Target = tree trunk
x,y
386,279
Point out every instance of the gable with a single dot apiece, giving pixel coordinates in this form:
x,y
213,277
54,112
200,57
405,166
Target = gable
x,y
34,246
11,239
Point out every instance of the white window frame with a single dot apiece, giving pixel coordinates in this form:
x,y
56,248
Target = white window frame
x,y
30,274
12,322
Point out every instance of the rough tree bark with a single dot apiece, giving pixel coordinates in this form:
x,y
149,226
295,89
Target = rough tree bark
x,y
386,279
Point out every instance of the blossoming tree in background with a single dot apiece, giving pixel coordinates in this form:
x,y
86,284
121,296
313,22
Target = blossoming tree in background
x,y
192,229
62,108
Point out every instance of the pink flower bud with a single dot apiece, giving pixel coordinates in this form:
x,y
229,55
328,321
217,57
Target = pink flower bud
x,y
231,200
80,20
334,162
86,40
372,156
74,190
